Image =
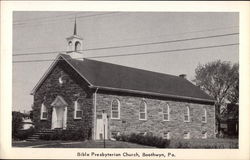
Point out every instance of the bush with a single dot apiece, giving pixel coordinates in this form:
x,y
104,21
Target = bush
x,y
46,136
149,140
70,134
24,134
17,119
215,143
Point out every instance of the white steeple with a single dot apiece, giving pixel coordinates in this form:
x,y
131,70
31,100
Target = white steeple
x,y
75,45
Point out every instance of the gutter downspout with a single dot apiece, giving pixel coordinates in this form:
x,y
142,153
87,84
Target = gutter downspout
x,y
95,114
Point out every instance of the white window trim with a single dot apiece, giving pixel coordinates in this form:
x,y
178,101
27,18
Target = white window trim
x,y
119,104
204,136
188,114
168,113
145,105
168,135
43,107
204,115
76,109
188,135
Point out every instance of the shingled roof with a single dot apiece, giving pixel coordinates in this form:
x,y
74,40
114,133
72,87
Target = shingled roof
x,y
116,77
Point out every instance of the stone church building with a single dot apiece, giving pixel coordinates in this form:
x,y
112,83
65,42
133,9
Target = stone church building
x,y
108,99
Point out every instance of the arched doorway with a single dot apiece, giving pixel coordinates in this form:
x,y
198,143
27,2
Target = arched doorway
x,y
59,113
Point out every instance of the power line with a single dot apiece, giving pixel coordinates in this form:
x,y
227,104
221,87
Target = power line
x,y
133,45
162,35
141,53
52,20
163,42
41,18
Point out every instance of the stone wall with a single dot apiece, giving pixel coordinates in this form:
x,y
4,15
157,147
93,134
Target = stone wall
x,y
73,88
129,116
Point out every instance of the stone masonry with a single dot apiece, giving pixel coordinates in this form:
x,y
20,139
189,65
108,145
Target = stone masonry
x,y
129,116
72,89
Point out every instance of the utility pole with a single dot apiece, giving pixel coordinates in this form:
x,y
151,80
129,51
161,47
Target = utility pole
x,y
104,121
104,145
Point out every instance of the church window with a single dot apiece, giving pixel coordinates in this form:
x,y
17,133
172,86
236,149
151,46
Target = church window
x,y
143,111
186,135
166,135
44,112
166,111
115,109
78,109
204,135
204,116
186,114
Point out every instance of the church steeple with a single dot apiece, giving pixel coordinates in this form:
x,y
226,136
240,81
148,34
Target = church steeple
x,y
74,44
75,33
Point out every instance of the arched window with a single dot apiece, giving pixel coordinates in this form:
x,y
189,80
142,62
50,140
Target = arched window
x,y
186,114
204,116
77,46
78,109
115,109
70,43
166,113
44,112
143,111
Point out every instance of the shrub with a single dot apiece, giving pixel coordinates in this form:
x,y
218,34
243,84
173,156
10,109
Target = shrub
x,y
216,143
24,134
70,134
149,140
46,136
17,119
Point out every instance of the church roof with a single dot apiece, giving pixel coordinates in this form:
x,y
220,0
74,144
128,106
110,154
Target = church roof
x,y
120,78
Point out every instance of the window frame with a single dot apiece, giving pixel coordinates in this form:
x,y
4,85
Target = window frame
x,y
204,115
44,109
186,133
76,109
145,110
118,109
187,108
168,112
168,135
77,46
204,134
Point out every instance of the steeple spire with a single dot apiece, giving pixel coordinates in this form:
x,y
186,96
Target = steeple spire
x,y
75,44
75,27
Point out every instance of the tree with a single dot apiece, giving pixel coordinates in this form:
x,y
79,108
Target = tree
x,y
220,80
31,115
17,119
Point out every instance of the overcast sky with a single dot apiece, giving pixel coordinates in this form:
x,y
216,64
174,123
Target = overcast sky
x,y
41,32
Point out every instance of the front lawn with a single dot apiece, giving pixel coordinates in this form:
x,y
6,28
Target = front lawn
x,y
77,144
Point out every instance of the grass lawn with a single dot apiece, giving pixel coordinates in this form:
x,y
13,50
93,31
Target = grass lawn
x,y
192,143
76,144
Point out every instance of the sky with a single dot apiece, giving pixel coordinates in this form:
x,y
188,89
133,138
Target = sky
x,y
42,32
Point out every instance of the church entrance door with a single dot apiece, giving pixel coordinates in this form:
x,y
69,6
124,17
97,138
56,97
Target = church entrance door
x,y
59,113
102,127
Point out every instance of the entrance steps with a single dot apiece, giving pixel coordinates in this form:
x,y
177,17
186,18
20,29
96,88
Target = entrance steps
x,y
36,136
